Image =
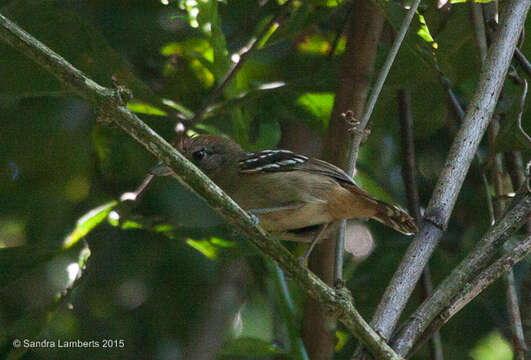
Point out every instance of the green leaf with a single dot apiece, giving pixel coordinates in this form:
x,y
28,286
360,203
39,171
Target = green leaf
x,y
342,338
143,108
204,247
130,224
250,347
204,15
492,347
318,104
424,31
88,222
222,243
315,44
179,107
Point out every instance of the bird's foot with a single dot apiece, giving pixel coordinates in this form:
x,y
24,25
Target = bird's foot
x,y
254,218
354,125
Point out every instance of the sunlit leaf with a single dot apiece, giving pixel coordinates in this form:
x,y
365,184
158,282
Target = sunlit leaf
x,y
424,31
318,104
205,247
492,347
222,243
130,224
144,108
164,228
342,338
179,107
210,23
314,44
88,222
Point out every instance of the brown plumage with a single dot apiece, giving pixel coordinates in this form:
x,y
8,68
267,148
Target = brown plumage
x,y
287,191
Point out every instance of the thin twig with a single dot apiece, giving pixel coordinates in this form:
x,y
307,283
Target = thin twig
x,y
243,55
455,169
523,61
111,105
479,29
359,130
515,168
382,76
363,35
522,106
409,173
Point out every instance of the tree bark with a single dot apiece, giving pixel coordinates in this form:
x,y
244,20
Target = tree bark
x,y
363,34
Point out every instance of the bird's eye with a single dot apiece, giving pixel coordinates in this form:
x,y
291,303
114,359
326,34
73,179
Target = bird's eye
x,y
199,155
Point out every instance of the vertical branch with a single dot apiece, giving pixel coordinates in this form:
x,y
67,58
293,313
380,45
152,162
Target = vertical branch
x,y
365,23
409,173
359,130
358,137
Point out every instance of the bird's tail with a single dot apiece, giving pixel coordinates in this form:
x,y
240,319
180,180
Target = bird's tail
x,y
396,218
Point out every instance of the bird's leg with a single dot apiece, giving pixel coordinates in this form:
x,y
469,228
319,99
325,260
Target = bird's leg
x,y
304,257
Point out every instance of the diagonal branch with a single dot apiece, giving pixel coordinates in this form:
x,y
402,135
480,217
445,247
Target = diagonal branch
x,y
475,261
457,164
475,286
111,105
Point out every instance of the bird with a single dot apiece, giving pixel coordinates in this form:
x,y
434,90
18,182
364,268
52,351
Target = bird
x,y
287,191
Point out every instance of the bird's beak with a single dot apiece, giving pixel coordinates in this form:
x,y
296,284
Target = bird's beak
x,y
160,170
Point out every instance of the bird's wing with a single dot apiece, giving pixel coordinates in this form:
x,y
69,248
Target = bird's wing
x,y
285,160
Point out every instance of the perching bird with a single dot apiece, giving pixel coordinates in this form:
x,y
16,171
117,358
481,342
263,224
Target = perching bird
x,y
287,191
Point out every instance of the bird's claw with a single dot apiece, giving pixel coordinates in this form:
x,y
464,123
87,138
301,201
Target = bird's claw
x,y
254,218
355,125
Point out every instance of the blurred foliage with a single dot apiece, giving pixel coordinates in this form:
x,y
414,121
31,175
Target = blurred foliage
x,y
155,264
